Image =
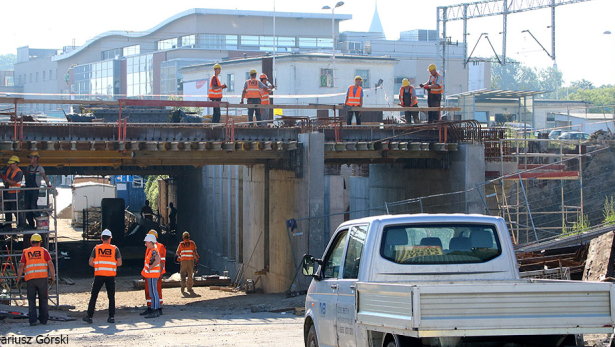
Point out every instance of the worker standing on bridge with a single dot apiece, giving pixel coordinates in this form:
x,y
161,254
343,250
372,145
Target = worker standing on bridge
x,y
354,98
162,252
34,175
12,179
151,273
434,88
407,98
188,256
265,100
36,261
252,91
215,91
105,259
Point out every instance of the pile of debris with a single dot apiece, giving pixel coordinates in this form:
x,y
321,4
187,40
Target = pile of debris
x,y
565,263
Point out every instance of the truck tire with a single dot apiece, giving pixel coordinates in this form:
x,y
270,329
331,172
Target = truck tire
x,y
311,340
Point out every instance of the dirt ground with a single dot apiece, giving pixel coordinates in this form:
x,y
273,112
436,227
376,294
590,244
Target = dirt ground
x,y
214,318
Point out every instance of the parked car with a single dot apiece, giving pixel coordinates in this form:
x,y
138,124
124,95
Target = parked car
x,y
554,134
441,280
574,135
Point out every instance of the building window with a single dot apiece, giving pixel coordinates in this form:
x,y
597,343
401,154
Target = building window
x,y
50,74
139,75
326,78
355,47
111,54
137,182
167,44
168,78
44,75
30,77
188,41
36,78
247,40
365,75
287,42
131,50
230,82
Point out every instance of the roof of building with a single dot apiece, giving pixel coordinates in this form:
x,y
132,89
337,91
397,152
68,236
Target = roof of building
x,y
491,94
201,11
290,56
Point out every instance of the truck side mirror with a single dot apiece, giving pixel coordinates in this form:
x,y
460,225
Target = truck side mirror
x,y
309,265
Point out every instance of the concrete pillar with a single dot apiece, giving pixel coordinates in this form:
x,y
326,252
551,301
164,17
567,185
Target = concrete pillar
x,y
468,172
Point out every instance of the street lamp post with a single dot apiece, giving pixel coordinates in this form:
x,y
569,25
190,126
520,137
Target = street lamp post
x,y
332,8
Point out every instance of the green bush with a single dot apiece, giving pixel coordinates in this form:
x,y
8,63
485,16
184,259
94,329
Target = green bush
x,y
608,210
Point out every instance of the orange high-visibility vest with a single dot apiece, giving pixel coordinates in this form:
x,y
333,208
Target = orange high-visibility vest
x,y
433,80
215,92
162,251
148,270
36,266
413,100
10,174
264,97
105,263
186,250
253,91
354,95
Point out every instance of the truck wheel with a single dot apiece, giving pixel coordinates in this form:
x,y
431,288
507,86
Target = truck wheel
x,y
311,340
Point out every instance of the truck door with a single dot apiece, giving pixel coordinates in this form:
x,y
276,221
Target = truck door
x,y
325,291
347,333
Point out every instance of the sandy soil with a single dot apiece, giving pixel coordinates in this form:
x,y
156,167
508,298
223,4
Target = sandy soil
x,y
214,318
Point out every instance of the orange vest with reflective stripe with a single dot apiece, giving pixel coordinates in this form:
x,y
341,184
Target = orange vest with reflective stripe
x,y
354,98
264,97
105,263
253,91
215,92
413,100
36,266
435,80
10,174
186,250
162,251
148,270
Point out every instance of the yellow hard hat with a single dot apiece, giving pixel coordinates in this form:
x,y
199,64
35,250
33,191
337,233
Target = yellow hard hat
x,y
36,238
185,235
431,67
252,72
217,66
153,232
358,78
405,82
13,159
34,154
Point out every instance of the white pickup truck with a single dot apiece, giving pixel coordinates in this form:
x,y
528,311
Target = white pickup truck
x,y
441,280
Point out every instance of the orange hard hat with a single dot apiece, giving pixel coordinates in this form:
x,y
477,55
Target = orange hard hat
x,y
263,76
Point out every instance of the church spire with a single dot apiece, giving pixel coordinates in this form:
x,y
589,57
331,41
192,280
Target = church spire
x,y
376,26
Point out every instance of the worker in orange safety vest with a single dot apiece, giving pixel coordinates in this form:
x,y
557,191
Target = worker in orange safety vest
x,y
354,98
162,251
407,98
188,256
435,89
265,96
12,179
151,273
252,91
215,91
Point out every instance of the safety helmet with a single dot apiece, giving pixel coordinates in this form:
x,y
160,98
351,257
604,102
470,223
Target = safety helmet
x,y
263,76
185,235
34,154
13,159
252,72
106,232
153,232
149,238
405,82
358,78
217,66
431,67
36,238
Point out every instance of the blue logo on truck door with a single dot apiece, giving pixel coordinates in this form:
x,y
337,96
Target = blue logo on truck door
x,y
323,308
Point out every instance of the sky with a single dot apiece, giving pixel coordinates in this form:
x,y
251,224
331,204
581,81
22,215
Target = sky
x,y
583,51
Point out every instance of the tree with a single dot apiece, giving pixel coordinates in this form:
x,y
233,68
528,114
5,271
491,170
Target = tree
x,y
7,61
582,84
602,98
513,76
551,80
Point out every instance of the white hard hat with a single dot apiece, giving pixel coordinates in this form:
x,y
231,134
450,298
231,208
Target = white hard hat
x,y
106,232
150,238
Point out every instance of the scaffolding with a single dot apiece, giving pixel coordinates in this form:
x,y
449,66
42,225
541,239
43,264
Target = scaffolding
x,y
15,235
524,163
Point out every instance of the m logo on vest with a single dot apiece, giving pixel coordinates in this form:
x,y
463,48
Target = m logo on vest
x,y
35,254
104,252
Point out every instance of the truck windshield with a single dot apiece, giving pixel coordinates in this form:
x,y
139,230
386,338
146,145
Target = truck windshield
x,y
440,243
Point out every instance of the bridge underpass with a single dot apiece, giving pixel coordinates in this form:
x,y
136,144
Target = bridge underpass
x,y
238,186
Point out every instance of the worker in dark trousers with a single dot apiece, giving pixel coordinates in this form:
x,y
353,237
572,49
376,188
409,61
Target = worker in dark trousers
x,y
407,98
435,89
215,91
12,179
105,259
354,98
252,91
39,270
34,176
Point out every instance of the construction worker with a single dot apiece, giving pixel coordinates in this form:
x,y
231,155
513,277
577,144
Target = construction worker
x,y
12,179
265,100
407,98
162,251
151,273
34,175
215,91
434,88
188,256
354,98
252,91
105,259
36,261
147,212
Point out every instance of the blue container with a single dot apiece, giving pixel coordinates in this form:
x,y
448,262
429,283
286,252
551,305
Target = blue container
x,y
131,188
